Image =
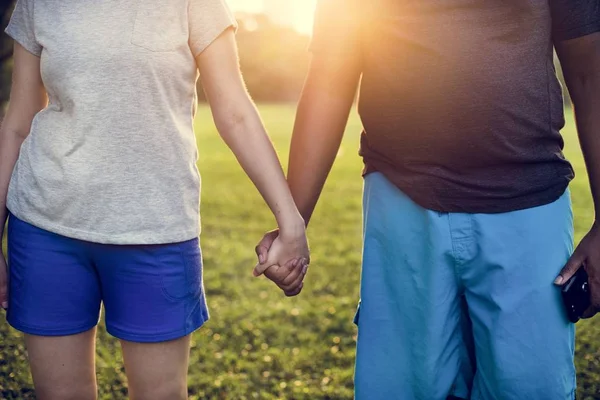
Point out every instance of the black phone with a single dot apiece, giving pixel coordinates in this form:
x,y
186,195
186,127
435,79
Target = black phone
x,y
576,295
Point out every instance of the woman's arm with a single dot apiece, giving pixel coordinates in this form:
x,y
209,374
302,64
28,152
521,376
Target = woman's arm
x,y
27,98
239,125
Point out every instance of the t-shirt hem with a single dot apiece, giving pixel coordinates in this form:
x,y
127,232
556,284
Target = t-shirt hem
x,y
23,41
202,44
479,206
130,238
578,32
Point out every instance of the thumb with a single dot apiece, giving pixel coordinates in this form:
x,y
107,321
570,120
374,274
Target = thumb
x,y
263,247
270,260
575,262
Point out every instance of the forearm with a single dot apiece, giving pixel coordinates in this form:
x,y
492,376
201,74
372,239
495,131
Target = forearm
x,y
321,119
10,143
316,140
585,93
27,98
245,135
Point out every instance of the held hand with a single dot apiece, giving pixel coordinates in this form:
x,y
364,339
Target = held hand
x,y
290,277
586,255
263,247
278,249
3,282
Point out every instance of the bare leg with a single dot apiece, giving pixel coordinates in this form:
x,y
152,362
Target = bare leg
x,y
63,366
157,371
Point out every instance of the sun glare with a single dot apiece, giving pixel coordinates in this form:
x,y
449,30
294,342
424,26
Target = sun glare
x,y
304,15
296,13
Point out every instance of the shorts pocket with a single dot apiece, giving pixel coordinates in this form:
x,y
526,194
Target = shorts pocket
x,y
160,26
182,277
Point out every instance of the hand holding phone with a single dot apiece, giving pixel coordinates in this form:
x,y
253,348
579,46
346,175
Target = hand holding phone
x,y
576,295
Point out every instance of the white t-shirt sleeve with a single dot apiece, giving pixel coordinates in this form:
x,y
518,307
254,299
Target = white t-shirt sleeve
x,y
21,27
208,19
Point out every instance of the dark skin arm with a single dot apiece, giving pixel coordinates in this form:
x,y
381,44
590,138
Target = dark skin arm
x,y
321,119
580,59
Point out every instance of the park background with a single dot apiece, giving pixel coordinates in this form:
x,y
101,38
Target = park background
x,y
259,344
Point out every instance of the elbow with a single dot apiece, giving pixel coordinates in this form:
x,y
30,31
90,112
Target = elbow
x,y
584,85
231,123
584,92
585,77
586,80
18,135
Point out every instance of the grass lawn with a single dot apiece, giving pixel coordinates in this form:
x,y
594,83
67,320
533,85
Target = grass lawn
x,y
259,344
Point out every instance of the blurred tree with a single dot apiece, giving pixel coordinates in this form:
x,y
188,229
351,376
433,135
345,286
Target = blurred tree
x,y
5,54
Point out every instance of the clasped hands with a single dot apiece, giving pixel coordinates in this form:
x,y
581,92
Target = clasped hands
x,y
283,259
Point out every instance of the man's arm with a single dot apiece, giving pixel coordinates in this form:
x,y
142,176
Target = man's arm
x,y
580,59
321,119
323,110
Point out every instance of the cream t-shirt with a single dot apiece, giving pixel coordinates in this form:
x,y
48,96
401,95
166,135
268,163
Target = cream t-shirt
x,y
112,159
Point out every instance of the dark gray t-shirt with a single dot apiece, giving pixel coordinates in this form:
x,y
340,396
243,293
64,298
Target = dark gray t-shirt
x,y
459,99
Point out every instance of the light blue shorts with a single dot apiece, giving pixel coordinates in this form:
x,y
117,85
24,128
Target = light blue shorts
x,y
462,304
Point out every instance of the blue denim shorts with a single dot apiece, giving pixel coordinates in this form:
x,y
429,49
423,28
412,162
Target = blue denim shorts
x,y
462,305
151,293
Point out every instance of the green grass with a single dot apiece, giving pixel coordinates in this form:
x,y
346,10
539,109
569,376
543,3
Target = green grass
x,y
258,344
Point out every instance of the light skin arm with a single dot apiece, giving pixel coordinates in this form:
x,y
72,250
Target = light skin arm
x,y
321,119
27,98
239,125
580,59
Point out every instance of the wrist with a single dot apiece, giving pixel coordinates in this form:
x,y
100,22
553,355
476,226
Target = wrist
x,y
292,227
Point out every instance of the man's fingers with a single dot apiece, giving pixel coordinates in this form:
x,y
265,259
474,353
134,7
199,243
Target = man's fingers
x,y
261,252
294,292
298,282
286,277
277,274
273,274
589,313
574,263
263,247
293,275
